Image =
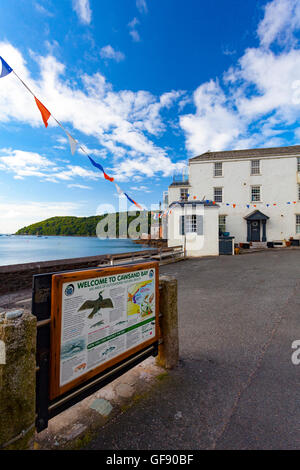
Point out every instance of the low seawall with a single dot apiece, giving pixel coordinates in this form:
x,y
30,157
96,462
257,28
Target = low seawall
x,y
19,276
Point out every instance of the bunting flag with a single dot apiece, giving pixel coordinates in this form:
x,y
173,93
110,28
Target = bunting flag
x,y
119,190
5,68
252,204
133,202
100,167
73,143
44,111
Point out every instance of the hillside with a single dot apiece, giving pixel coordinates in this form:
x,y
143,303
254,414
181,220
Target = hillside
x,y
71,226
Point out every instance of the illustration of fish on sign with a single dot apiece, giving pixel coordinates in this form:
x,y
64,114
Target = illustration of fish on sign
x,y
96,305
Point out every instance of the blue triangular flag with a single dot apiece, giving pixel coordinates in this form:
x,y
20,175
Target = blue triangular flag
x,y
5,69
97,165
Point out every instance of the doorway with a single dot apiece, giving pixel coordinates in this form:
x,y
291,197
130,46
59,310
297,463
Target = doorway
x,y
255,231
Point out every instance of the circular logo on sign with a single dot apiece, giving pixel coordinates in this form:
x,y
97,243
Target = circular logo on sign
x,y
69,290
151,273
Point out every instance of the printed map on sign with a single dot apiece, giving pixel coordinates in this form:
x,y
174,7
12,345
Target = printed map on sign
x,y
140,298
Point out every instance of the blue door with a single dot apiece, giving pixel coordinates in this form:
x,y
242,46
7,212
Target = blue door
x,y
255,231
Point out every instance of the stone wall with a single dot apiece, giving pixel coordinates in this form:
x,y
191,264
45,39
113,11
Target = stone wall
x,y
18,329
17,379
19,276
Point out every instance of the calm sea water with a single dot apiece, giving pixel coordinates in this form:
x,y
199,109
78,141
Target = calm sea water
x,y
25,249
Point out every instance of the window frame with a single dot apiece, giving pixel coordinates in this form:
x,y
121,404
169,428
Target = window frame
x,y
252,167
223,224
220,168
297,223
190,223
186,191
298,164
215,196
251,193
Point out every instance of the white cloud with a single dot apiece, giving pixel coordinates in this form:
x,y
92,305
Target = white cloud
x,y
123,121
281,18
41,9
83,10
259,98
133,31
62,140
76,171
142,6
23,164
14,216
108,52
80,186
214,125
145,189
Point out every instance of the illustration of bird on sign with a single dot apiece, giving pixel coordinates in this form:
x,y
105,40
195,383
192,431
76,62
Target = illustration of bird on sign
x,y
96,305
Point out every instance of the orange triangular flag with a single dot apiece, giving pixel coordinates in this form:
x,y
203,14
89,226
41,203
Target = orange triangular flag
x,y
44,111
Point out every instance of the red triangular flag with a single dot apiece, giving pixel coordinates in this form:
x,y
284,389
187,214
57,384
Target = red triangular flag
x,y
44,111
109,178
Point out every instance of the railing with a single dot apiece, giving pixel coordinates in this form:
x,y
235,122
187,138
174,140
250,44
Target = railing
x,y
180,178
160,254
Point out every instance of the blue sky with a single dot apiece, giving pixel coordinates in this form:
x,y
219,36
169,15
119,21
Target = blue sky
x,y
143,85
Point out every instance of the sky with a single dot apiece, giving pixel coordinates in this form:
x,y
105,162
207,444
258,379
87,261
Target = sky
x,y
142,85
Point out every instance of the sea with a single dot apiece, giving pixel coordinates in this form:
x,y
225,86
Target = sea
x,y
17,249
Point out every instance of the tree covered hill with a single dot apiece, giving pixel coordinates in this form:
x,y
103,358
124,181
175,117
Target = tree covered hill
x,y
73,226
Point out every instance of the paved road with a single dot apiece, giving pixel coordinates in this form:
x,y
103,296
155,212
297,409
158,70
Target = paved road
x,y
235,386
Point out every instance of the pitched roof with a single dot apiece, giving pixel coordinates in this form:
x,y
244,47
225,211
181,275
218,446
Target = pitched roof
x,y
256,215
249,153
194,203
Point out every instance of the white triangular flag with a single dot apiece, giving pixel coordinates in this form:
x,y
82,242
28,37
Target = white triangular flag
x,y
73,143
119,189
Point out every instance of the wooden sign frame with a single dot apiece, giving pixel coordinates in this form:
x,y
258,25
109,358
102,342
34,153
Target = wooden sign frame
x,y
58,280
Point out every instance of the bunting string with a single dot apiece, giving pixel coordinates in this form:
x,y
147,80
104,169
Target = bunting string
x,y
253,204
74,144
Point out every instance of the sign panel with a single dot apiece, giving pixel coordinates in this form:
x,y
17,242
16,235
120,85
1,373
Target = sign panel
x,y
100,317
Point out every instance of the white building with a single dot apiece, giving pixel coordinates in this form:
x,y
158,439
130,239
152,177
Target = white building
x,y
258,191
194,226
